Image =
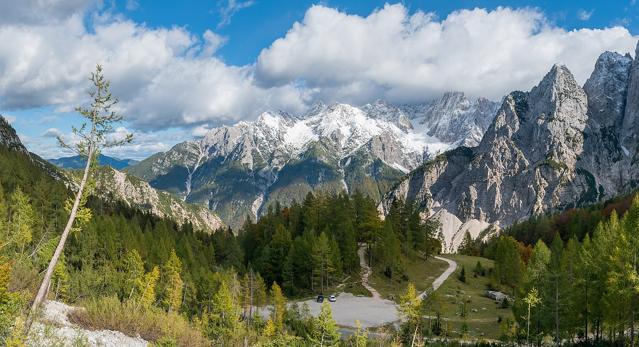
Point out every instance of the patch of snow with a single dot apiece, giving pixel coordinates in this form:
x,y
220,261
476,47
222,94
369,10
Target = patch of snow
x,y
299,135
625,151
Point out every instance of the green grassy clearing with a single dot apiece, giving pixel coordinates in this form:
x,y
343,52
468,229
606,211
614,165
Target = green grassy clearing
x,y
420,272
482,313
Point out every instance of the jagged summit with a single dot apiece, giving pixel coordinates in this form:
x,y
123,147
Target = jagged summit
x,y
557,146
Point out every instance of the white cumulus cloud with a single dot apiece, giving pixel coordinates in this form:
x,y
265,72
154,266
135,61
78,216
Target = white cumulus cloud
x,y
404,57
171,77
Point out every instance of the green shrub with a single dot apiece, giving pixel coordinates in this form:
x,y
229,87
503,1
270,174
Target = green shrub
x,y
152,324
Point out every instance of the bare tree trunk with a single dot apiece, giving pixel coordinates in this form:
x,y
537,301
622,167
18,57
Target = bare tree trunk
x,y
42,292
586,306
557,310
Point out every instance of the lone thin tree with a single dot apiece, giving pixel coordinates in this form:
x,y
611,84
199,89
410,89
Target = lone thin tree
x,y
532,300
92,136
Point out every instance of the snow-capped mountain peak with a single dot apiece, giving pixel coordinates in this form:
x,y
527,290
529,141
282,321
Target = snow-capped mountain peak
x,y
278,157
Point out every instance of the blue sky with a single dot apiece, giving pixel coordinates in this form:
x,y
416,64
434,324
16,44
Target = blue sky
x,y
264,21
181,68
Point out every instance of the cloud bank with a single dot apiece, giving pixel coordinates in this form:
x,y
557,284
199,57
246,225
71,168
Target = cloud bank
x,y
170,77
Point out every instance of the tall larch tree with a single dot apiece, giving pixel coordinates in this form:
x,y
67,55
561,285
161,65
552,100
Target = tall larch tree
x,y
173,284
94,135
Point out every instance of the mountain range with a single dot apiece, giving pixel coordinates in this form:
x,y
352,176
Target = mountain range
x,y
77,162
241,170
470,163
557,146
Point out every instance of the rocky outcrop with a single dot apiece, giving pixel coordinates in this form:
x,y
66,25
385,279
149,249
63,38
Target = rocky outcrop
x,y
115,185
554,147
9,138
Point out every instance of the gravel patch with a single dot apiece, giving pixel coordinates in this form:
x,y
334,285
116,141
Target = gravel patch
x,y
55,330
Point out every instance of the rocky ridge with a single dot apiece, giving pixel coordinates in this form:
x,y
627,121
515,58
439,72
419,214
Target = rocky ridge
x,y
555,147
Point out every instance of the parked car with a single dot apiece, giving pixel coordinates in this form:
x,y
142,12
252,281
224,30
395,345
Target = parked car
x,y
320,298
332,298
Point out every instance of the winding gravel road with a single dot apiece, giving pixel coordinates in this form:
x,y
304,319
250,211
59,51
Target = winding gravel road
x,y
452,266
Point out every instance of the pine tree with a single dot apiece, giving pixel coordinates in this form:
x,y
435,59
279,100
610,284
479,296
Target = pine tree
x,y
225,313
9,302
556,276
260,292
322,261
92,138
462,275
360,337
134,273
467,246
479,269
508,268
5,240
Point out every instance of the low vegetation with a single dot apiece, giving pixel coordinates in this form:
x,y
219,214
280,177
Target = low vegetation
x,y
150,323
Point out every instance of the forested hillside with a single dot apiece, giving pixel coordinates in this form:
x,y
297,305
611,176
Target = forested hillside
x,y
572,275
310,245
122,262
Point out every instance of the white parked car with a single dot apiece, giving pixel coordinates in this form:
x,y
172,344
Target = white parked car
x,y
332,298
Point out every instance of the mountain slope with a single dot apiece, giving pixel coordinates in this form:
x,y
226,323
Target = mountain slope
x,y
117,186
555,147
242,169
77,162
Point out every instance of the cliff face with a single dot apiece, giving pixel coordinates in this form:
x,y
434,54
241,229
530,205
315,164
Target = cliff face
x,y
557,146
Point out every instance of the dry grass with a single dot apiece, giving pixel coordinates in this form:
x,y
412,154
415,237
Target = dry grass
x,y
153,325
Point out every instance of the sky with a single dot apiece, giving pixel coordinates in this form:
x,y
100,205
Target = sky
x,y
181,68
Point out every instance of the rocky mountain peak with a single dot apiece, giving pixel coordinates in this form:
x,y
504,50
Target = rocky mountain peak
x,y
557,82
454,99
630,124
606,88
238,170
552,148
453,117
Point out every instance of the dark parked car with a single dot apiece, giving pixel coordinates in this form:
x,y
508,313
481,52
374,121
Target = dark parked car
x,y
320,299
